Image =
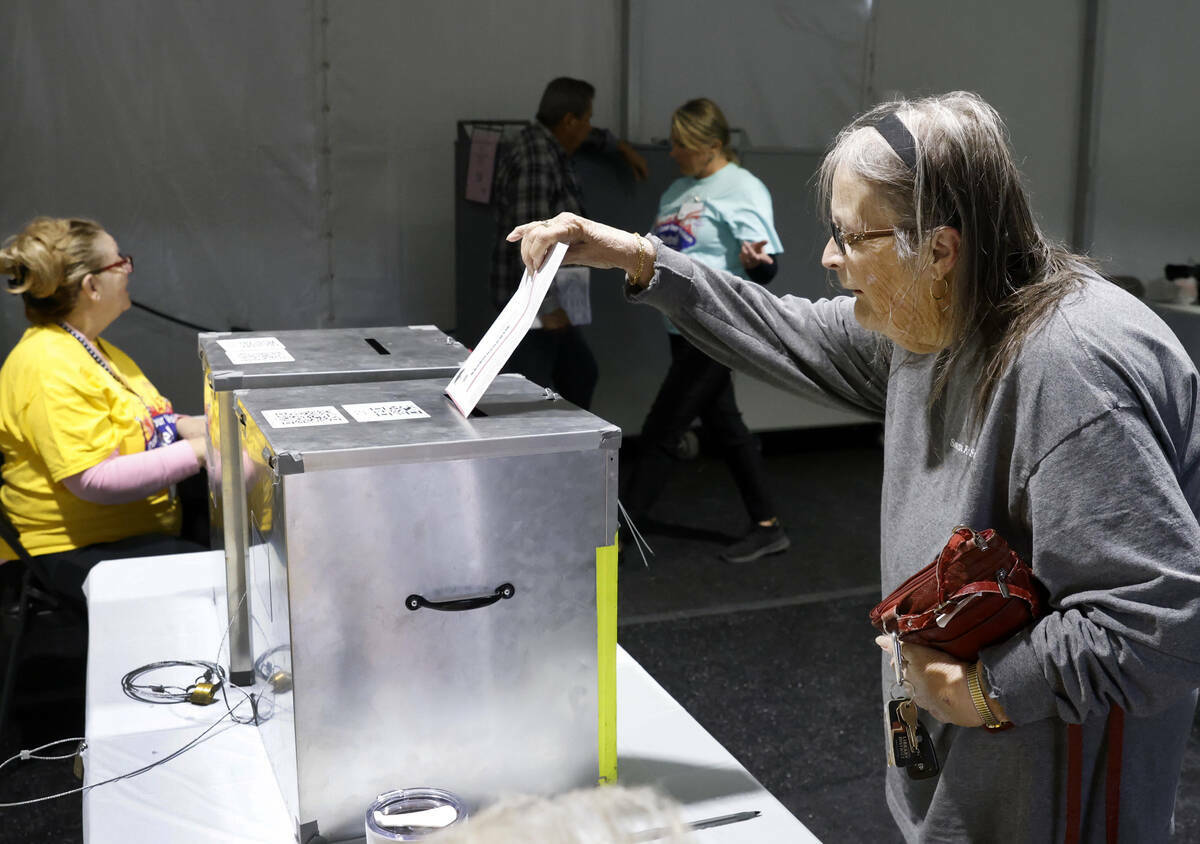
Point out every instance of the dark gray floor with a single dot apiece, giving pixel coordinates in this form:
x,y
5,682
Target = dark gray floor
x,y
775,658
34,723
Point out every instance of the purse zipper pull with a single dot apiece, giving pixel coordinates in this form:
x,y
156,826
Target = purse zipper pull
x,y
1002,582
980,542
942,619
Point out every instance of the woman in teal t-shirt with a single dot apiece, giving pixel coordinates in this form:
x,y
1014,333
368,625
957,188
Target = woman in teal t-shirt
x,y
720,215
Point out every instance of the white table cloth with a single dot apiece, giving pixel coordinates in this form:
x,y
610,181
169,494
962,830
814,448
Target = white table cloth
x,y
223,790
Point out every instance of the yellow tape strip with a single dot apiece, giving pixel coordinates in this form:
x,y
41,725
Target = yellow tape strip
x,y
606,651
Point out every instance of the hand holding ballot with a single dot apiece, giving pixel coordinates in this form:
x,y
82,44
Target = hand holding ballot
x,y
589,243
467,387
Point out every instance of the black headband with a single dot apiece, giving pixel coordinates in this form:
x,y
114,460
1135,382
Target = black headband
x,y
899,139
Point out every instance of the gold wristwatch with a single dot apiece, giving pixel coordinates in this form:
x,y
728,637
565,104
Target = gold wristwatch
x,y
981,702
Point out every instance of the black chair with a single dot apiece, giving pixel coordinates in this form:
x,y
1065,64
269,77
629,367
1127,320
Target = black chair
x,y
34,601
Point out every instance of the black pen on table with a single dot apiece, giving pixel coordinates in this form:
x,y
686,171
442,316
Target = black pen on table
x,y
706,823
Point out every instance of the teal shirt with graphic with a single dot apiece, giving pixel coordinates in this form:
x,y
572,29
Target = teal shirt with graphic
x,y
707,219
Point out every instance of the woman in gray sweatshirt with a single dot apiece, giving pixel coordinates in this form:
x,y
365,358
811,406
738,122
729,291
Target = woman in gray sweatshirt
x,y
1020,391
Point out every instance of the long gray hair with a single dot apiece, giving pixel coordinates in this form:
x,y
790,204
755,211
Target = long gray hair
x,y
1008,277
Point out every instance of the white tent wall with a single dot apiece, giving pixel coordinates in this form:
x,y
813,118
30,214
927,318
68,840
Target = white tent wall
x,y
198,133
1146,184
271,164
1022,56
187,130
400,76
787,74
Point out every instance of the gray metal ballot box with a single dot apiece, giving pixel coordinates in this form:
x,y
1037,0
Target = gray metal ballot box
x,y
239,360
433,597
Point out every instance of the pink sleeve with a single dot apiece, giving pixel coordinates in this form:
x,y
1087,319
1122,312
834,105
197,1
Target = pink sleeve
x,y
122,478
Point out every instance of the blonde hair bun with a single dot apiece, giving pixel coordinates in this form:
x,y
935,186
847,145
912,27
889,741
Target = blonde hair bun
x,y
46,261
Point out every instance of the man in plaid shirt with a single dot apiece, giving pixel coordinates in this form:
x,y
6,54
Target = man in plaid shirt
x,y
534,181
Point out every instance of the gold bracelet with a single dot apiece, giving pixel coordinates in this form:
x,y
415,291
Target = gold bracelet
x,y
980,700
637,275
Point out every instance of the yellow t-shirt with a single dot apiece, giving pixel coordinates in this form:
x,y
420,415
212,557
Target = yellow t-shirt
x,y
60,414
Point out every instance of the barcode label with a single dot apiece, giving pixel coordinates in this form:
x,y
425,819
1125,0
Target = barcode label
x,y
384,411
255,350
301,417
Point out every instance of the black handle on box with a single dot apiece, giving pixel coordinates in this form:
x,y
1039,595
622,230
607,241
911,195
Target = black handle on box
x,y
504,590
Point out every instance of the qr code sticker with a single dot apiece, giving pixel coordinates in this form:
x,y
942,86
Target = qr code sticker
x,y
385,411
255,350
303,417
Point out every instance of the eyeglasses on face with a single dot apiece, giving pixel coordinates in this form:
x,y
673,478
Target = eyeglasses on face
x,y
126,261
842,239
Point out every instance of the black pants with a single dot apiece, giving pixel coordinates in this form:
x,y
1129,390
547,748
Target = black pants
x,y
559,359
696,386
65,571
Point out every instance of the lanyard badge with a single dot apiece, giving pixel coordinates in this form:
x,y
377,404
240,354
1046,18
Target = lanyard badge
x,y
165,431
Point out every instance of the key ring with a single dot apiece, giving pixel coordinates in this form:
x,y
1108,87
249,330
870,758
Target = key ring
x,y
901,684
897,658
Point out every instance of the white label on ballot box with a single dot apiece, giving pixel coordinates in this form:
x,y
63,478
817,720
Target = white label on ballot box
x,y
301,417
255,350
383,411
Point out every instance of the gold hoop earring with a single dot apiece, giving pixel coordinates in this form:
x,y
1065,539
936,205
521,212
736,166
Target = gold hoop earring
x,y
945,289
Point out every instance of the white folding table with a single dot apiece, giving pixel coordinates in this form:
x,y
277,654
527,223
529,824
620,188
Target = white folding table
x,y
223,790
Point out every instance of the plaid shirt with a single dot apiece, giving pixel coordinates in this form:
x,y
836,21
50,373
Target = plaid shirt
x,y
534,181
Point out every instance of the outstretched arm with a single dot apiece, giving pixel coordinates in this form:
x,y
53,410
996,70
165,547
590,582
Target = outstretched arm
x,y
813,348
589,243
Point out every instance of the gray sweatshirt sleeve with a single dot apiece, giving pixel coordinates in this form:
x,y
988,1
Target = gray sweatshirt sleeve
x,y
816,349
1117,545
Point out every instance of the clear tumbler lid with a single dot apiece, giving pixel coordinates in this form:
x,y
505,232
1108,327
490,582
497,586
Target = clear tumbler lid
x,y
410,814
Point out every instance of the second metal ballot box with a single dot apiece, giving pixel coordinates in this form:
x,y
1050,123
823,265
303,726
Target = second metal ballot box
x,y
239,360
433,598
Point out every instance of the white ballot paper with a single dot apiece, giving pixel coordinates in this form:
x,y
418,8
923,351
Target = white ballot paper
x,y
473,378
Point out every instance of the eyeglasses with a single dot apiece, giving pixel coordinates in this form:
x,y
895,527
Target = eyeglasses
x,y
841,238
125,259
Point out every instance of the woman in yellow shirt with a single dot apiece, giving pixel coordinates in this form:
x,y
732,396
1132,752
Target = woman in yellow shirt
x,y
91,449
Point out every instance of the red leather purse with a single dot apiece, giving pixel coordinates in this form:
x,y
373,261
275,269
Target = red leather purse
x,y
976,593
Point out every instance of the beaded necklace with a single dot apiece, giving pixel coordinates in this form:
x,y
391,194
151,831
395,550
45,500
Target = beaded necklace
x,y
163,424
97,357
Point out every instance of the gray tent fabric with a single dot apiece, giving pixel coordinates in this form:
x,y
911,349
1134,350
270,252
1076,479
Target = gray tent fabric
x,y
189,131
274,164
788,74
289,163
